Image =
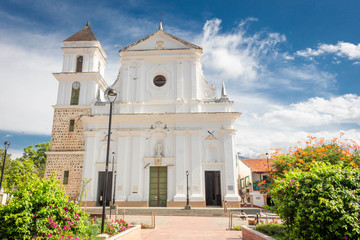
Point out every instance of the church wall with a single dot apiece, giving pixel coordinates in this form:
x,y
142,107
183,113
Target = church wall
x,y
73,163
62,139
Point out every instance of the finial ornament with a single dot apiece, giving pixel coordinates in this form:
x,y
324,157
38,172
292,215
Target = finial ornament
x,y
88,24
160,26
223,93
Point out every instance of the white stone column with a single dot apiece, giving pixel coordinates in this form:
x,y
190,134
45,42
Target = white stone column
x,y
180,171
89,169
193,78
125,83
136,167
179,81
231,189
123,166
196,169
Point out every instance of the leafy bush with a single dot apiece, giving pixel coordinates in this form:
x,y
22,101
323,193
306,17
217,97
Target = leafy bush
x,y
237,228
40,209
345,152
321,203
271,229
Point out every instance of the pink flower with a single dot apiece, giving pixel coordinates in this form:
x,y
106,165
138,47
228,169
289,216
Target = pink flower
x,y
346,237
34,216
294,194
293,180
35,187
290,184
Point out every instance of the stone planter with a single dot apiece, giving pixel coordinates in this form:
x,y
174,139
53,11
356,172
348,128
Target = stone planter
x,y
250,234
133,233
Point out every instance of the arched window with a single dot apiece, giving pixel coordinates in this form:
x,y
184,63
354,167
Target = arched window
x,y
75,92
79,64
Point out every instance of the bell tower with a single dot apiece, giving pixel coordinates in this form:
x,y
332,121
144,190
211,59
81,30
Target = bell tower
x,y
81,82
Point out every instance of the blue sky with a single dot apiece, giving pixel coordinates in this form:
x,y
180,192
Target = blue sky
x,y
292,67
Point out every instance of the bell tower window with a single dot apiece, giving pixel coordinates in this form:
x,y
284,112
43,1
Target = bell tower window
x,y
79,64
75,93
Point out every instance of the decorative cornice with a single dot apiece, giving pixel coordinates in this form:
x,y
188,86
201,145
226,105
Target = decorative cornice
x,y
82,76
229,131
187,131
65,152
72,106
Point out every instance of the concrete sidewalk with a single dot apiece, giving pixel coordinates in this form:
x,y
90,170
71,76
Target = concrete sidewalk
x,y
185,227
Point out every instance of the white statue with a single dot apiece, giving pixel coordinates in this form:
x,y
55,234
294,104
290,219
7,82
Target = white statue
x,y
158,150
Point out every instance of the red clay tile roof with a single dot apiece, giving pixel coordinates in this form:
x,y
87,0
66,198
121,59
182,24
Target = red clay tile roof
x,y
84,34
258,165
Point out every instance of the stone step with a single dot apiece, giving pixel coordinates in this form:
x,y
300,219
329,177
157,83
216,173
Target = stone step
x,y
204,212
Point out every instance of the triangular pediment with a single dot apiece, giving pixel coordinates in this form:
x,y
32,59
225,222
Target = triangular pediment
x,y
160,40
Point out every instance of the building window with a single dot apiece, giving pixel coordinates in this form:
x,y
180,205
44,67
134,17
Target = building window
x,y
159,80
66,177
75,92
242,183
72,124
79,64
246,181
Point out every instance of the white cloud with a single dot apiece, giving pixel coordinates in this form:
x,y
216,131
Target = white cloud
x,y
342,49
235,55
27,87
266,124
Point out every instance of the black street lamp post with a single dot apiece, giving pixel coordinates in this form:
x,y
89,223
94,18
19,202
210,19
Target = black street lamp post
x,y
111,96
267,159
114,182
187,207
6,146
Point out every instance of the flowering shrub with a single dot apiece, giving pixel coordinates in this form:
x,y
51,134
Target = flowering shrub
x,y
116,226
336,151
321,203
40,209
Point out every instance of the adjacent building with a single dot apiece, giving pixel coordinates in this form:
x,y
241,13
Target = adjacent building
x,y
254,181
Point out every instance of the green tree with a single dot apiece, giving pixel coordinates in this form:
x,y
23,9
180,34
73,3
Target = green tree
x,y
37,156
40,209
32,162
321,203
7,165
335,152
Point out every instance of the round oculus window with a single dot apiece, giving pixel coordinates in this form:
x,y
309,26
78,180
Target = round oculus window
x,y
159,80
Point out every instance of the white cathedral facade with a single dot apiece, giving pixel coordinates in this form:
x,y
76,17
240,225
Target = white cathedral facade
x,y
166,122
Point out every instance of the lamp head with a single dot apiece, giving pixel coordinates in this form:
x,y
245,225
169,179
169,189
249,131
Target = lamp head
x,y
6,144
187,173
111,95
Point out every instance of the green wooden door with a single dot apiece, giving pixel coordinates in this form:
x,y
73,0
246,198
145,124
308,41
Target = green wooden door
x,y
158,187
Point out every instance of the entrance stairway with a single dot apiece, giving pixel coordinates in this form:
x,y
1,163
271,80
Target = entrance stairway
x,y
167,211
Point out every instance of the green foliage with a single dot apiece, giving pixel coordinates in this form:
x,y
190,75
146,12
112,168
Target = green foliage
x,y
40,209
321,203
32,162
275,230
336,152
7,164
38,156
145,226
237,228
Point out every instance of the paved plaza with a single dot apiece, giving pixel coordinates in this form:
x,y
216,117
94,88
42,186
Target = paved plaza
x,y
187,227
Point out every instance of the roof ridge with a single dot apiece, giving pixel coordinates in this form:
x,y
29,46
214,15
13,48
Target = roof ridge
x,y
84,34
160,30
